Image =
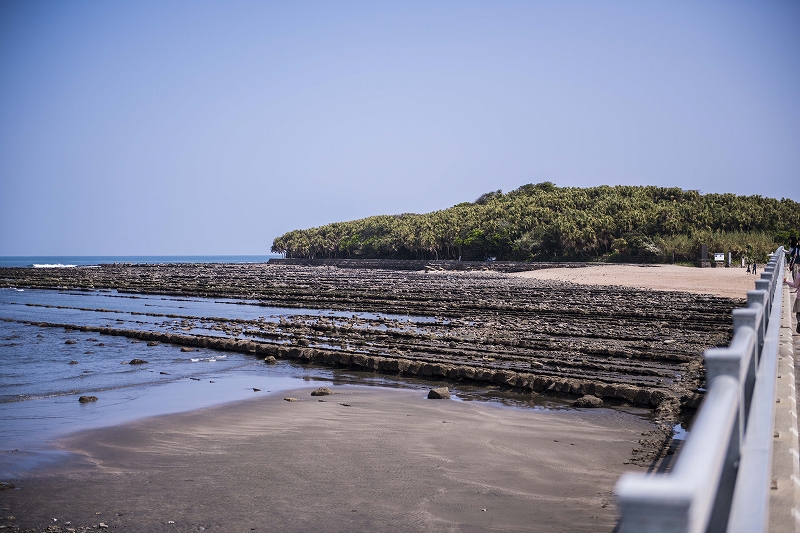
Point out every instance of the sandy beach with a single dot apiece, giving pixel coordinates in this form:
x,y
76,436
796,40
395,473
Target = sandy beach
x,y
725,282
364,459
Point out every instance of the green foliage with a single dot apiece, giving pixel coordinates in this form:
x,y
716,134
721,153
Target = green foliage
x,y
485,198
544,222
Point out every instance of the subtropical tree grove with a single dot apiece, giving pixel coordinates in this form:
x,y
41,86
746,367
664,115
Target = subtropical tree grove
x,y
546,222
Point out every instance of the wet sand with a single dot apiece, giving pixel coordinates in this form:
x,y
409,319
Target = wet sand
x,y
364,459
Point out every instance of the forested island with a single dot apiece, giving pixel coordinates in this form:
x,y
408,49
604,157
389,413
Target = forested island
x,y
541,222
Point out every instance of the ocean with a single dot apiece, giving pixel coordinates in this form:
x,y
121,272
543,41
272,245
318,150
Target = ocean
x,y
66,261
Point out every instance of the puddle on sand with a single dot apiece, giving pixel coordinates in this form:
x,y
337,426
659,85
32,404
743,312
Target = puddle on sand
x,y
679,433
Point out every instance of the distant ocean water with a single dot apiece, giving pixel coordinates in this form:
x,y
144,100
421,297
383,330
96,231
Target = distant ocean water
x,y
67,261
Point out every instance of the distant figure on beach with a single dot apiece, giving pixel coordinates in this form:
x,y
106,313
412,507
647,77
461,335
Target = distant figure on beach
x,y
755,266
748,267
794,257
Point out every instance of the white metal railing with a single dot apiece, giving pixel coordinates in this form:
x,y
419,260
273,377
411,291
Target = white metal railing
x,y
721,478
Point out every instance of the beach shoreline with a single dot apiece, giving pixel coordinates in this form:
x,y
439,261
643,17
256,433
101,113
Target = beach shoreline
x,y
362,459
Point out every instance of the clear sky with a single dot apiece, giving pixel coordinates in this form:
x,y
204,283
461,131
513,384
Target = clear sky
x,y
191,127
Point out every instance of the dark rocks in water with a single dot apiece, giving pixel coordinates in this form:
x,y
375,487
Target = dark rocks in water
x,y
187,349
137,362
91,339
256,390
164,373
153,343
73,362
588,401
70,341
87,399
100,344
441,393
322,391
5,486
270,360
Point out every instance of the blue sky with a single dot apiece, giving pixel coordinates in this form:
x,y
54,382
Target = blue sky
x,y
195,127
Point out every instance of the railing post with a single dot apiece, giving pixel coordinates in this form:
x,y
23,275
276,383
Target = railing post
x,y
764,285
738,361
751,316
759,298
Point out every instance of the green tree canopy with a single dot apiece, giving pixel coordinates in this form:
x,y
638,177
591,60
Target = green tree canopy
x,y
543,221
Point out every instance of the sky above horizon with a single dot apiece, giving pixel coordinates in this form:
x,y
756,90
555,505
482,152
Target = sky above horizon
x,y
212,127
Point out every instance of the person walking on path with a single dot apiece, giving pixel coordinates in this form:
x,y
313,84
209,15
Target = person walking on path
x,y
794,257
794,284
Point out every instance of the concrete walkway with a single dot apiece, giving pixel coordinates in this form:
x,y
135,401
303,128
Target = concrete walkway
x,y
785,493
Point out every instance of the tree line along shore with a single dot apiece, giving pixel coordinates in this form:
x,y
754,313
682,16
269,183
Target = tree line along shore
x,y
543,222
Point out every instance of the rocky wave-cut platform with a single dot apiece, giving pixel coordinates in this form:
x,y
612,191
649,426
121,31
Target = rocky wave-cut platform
x,y
625,346
427,264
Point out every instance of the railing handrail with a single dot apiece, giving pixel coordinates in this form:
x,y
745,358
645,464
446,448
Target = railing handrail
x,y
750,507
723,472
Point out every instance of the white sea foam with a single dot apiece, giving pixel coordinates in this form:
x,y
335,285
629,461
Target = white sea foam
x,y
56,265
212,359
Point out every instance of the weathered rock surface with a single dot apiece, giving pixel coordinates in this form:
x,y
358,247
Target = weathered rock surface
x,y
87,399
588,400
440,393
322,391
137,362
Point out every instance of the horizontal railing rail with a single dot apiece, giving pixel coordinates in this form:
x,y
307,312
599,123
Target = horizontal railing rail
x,y
721,479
